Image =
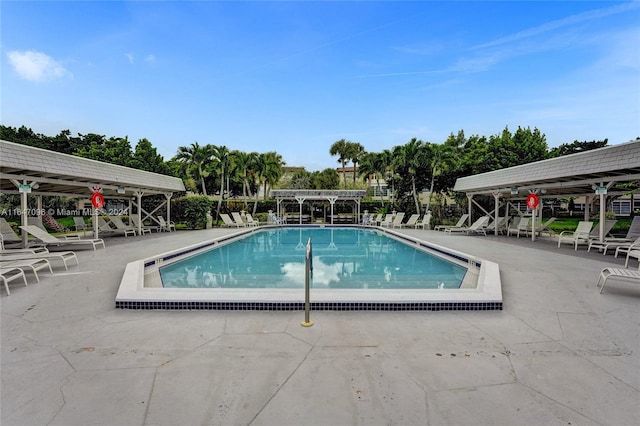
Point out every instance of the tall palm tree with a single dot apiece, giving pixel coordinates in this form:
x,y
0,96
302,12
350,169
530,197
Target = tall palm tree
x,y
341,149
371,165
412,156
222,163
271,164
195,159
356,152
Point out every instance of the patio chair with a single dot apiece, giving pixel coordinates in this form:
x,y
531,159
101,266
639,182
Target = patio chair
x,y
228,222
271,218
78,222
595,232
166,226
387,221
411,222
397,221
237,218
251,221
621,246
34,264
500,224
460,223
425,223
50,240
623,274
577,237
7,234
477,227
378,219
41,253
518,225
543,227
121,226
635,253
135,219
9,274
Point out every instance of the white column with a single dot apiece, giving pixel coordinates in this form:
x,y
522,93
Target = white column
x,y
496,215
168,195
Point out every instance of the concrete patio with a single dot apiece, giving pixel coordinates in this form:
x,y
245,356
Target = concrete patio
x,y
559,352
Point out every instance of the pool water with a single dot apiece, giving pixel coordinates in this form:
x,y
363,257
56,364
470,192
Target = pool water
x,y
343,258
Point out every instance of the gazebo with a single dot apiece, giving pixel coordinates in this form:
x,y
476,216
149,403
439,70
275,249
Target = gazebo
x,y
303,195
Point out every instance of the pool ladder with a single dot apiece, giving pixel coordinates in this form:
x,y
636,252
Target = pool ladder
x,y
308,273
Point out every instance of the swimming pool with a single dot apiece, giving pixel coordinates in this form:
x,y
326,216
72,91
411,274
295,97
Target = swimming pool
x,y
343,258
141,286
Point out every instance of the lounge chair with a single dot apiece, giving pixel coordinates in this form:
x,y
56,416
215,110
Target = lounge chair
x,y
630,245
237,218
460,223
166,226
595,232
411,222
543,227
135,219
79,224
378,219
7,234
518,225
121,226
500,224
425,223
50,240
41,253
477,227
621,246
11,273
271,218
387,221
106,229
635,253
623,274
577,237
397,221
228,222
34,264
251,221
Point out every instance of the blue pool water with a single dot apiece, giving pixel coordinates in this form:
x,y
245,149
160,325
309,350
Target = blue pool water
x,y
345,258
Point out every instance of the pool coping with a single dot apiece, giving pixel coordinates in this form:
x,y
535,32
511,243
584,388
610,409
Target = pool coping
x,y
132,294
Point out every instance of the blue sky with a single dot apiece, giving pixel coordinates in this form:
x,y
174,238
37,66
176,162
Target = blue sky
x,y
297,76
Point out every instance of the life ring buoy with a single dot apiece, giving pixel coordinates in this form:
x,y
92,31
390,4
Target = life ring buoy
x,y
97,199
532,201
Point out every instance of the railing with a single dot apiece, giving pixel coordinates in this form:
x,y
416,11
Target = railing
x,y
308,273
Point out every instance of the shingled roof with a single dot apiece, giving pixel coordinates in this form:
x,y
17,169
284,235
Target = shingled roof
x,y
573,174
63,174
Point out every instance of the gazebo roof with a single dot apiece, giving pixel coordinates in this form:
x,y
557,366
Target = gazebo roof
x,y
63,174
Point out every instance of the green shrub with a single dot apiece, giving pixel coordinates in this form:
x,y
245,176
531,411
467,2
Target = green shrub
x,y
191,211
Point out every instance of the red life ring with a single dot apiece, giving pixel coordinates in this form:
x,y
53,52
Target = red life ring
x,y
97,199
532,201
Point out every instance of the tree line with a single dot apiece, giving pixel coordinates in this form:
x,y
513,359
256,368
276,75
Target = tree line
x,y
406,169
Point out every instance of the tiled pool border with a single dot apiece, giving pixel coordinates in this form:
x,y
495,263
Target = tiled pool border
x,y
132,293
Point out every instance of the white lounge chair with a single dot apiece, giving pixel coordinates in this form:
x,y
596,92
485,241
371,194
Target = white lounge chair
x,y
621,246
237,218
34,264
41,253
387,221
460,223
9,274
378,219
635,253
50,240
166,226
632,245
577,237
135,219
543,227
7,234
425,223
397,221
518,225
79,224
228,222
411,222
500,224
251,221
477,227
623,274
121,226
271,219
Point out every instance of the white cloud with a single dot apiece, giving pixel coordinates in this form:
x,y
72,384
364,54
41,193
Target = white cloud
x,y
129,57
36,66
150,58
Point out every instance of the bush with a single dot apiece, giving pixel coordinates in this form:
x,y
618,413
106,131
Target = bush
x,y
192,211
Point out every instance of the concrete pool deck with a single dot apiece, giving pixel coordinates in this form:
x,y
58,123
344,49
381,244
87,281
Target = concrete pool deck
x,y
558,353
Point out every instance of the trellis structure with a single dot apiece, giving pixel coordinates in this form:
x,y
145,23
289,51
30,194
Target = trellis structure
x,y
303,195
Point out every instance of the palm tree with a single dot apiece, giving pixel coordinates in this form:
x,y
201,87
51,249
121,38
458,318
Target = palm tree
x,y
356,152
222,162
341,149
269,170
195,159
412,156
371,164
